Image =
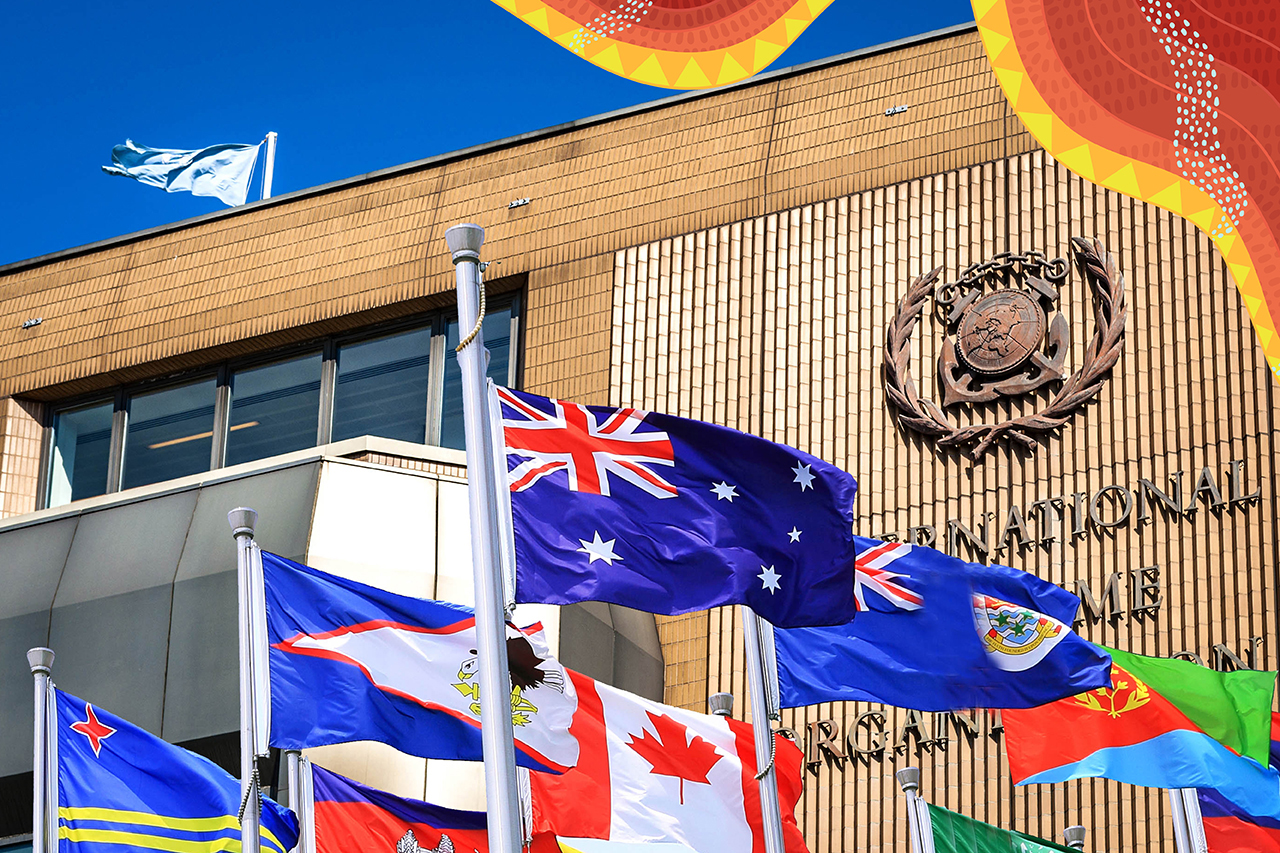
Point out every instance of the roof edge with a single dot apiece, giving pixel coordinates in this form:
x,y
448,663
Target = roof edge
x,y
486,147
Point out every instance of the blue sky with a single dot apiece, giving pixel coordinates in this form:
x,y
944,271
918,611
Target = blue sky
x,y
349,88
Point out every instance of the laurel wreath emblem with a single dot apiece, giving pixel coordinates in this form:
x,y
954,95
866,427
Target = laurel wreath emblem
x,y
1135,698
924,416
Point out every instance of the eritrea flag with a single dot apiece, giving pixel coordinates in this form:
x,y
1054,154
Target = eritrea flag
x,y
1163,724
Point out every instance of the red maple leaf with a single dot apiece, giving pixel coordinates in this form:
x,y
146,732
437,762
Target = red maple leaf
x,y
672,753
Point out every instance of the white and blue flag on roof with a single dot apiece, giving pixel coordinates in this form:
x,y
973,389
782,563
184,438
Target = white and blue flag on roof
x,y
352,662
940,634
672,515
122,789
222,171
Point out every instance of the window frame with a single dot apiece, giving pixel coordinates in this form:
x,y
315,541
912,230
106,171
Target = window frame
x,y
437,321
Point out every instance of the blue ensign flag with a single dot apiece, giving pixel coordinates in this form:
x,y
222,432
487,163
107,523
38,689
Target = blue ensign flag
x,y
120,789
672,515
352,662
940,634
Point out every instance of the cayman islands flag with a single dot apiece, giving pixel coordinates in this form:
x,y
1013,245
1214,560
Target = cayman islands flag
x,y
672,515
939,634
122,789
352,662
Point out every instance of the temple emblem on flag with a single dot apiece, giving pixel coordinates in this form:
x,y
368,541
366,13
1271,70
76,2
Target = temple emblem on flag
x,y
408,843
1015,638
588,448
1125,686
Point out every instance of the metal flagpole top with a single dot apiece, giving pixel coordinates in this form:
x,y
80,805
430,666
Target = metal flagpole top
x,y
242,521
41,660
1074,836
909,778
465,241
721,704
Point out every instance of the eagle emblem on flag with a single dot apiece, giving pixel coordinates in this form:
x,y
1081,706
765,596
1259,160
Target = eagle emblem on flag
x,y
590,448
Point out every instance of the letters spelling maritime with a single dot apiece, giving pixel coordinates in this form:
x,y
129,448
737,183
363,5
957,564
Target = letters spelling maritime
x,y
672,515
120,788
351,662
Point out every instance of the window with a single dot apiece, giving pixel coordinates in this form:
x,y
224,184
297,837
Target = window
x,y
274,409
81,453
170,433
383,386
498,326
399,382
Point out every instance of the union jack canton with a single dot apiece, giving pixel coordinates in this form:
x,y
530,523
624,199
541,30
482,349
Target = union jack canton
x,y
672,515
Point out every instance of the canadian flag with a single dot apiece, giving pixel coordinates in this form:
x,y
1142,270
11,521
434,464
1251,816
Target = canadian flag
x,y
650,773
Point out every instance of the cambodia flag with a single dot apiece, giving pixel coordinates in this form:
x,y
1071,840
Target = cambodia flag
x,y
350,816
653,774
672,515
1229,828
1163,724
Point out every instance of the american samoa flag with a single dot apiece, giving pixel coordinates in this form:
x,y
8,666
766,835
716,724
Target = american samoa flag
x,y
888,590
588,446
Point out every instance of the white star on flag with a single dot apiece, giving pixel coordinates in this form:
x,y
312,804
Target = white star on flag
x,y
794,533
725,492
803,476
770,579
599,550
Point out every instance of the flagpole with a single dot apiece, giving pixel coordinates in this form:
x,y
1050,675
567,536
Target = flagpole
x,y
909,781
242,520
1181,832
269,168
1074,837
1193,821
41,662
502,799
302,800
762,711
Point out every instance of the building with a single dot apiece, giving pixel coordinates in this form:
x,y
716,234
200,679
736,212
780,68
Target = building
x,y
735,256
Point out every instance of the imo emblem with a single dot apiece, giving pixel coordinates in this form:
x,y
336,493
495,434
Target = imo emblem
x,y
1005,337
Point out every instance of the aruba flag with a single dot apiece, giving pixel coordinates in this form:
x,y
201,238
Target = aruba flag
x,y
1163,724
121,789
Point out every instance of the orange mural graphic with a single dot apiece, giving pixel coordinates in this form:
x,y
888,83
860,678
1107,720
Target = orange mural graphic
x,y
1174,102
677,44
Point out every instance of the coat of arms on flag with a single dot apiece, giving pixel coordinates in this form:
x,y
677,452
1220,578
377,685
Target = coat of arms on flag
x,y
1016,638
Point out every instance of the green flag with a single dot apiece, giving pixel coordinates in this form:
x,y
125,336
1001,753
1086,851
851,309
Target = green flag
x,y
1234,708
955,833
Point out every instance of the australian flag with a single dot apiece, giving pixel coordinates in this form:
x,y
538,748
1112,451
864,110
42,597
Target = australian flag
x,y
941,634
672,515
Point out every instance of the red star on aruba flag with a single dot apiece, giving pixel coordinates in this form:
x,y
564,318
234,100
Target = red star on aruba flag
x,y
94,730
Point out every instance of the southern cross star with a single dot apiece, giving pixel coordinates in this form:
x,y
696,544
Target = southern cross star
x,y
724,492
598,549
803,476
794,533
770,579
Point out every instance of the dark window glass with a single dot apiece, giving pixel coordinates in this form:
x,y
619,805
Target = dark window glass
x,y
497,339
81,448
382,387
274,409
170,434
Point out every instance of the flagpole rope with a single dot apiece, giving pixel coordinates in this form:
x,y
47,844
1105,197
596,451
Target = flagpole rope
x,y
773,752
471,336
244,801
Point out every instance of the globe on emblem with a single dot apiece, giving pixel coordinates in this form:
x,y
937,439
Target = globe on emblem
x,y
1000,331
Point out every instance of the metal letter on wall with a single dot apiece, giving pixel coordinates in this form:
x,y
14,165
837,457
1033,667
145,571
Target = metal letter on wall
x,y
1005,338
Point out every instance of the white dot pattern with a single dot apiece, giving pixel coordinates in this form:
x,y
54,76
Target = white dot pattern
x,y
1197,149
627,14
